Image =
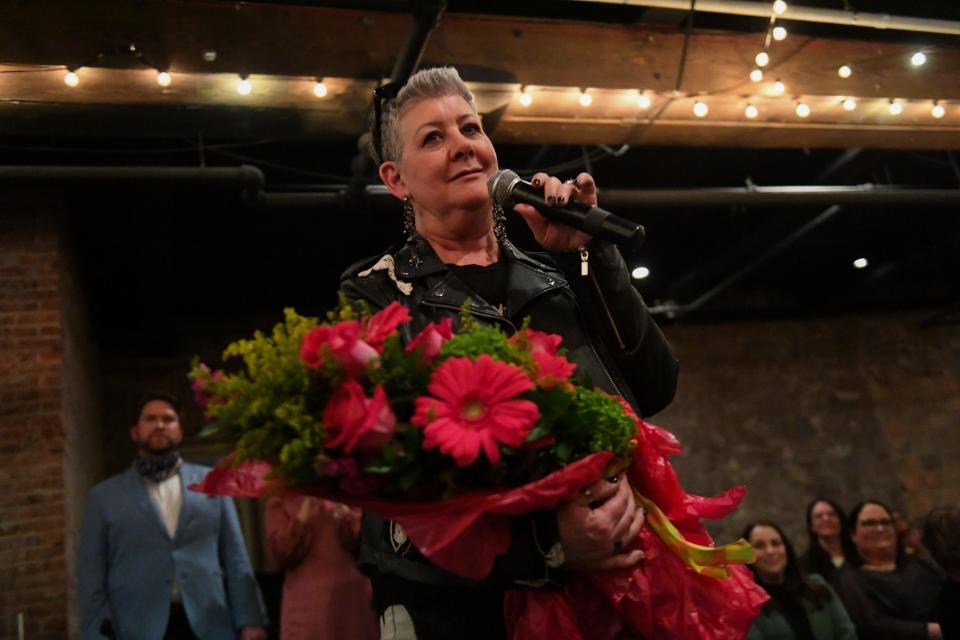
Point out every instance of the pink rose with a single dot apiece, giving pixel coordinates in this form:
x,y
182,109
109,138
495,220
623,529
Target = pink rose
x,y
342,341
354,421
385,322
432,338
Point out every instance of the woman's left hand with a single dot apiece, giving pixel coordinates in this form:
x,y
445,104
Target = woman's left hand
x,y
554,236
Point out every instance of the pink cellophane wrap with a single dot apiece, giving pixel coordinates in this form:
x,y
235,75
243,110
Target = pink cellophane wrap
x,y
661,597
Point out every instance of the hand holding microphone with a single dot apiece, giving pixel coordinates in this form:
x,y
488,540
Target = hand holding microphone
x,y
555,202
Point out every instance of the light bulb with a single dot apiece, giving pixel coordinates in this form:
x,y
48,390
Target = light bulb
x,y
320,89
756,75
778,87
525,98
895,108
779,33
164,79
700,109
244,87
844,71
938,111
849,104
643,101
751,111
803,109
918,58
861,263
71,79
585,99
779,7
762,59
640,273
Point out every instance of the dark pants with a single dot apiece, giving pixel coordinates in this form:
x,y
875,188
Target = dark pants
x,y
178,627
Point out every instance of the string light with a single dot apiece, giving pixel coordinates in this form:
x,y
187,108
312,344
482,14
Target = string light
x,y
844,71
320,89
938,111
803,109
779,34
779,88
700,109
244,87
164,79
756,75
779,7
918,58
860,263
895,107
849,104
525,98
71,79
643,101
585,99
762,59
751,111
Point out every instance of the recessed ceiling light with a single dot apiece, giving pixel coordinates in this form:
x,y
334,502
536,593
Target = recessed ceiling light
x,y
640,273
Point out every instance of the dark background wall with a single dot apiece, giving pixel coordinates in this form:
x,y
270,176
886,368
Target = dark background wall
x,y
107,295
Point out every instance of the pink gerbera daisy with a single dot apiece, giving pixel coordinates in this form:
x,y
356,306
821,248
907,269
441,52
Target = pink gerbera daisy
x,y
475,407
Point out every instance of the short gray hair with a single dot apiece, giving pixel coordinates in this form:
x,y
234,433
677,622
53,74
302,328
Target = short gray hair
x,y
428,83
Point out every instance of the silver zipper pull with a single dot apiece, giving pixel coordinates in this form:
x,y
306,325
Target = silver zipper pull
x,y
584,261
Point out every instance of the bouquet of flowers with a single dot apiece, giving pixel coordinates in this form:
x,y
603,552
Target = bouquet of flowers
x,y
452,434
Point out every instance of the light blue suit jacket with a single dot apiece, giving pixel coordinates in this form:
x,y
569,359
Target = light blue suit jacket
x,y
126,562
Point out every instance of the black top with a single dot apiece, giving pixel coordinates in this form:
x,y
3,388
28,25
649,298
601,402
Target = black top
x,y
892,604
948,610
488,282
792,610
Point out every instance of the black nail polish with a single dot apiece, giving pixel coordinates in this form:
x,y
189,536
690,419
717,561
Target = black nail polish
x,y
560,200
536,182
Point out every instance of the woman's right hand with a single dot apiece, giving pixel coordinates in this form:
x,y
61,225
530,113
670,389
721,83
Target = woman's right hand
x,y
933,631
596,528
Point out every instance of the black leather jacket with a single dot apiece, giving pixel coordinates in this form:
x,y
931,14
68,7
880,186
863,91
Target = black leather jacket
x,y
608,333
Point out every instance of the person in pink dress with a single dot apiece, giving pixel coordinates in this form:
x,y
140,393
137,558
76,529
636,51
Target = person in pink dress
x,y
325,597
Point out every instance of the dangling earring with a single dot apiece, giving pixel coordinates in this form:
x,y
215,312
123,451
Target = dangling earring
x,y
499,223
410,232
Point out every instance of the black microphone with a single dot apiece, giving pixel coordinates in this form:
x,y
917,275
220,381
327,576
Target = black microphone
x,y
507,188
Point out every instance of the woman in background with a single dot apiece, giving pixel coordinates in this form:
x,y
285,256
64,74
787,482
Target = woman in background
x,y
830,545
325,597
888,594
801,607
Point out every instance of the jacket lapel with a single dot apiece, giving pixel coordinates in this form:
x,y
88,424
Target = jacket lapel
x,y
189,474
145,505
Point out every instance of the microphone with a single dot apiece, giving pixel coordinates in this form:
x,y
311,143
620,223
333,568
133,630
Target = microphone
x,y
507,188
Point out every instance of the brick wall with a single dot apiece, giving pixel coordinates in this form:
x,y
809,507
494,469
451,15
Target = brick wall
x,y
851,408
32,511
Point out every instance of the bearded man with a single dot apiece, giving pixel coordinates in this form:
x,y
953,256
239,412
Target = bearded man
x,y
157,561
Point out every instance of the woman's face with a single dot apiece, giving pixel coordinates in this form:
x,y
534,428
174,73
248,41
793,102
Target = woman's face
x,y
874,534
446,158
824,520
771,553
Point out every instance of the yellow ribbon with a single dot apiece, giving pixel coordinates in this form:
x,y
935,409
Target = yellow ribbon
x,y
706,561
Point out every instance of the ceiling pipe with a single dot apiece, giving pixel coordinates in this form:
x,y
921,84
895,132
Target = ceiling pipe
x,y
796,13
251,181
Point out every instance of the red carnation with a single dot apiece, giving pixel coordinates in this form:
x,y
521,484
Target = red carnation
x,y
475,407
432,338
342,341
552,369
385,322
355,421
